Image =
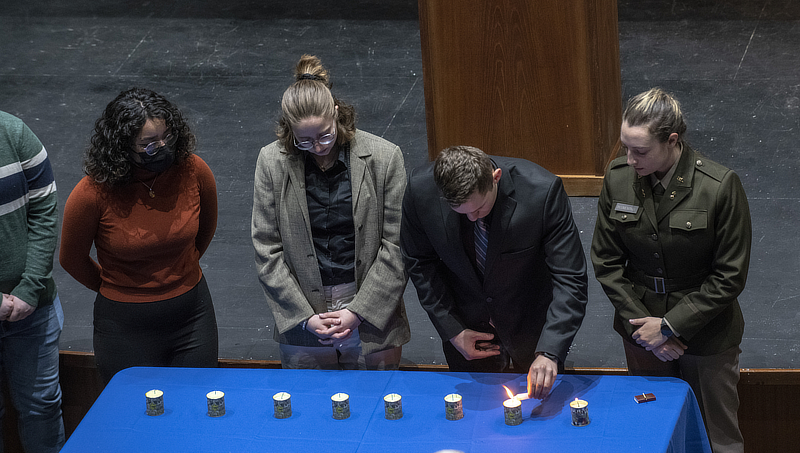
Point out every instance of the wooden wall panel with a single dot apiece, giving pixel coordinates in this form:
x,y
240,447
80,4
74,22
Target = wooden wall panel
x,y
766,416
533,79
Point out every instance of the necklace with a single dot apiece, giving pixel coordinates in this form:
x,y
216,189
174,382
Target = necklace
x,y
329,164
150,187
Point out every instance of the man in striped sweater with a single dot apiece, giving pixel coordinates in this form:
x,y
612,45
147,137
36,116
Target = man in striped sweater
x,y
30,313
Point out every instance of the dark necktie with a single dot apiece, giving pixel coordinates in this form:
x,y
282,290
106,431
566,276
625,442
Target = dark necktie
x,y
481,243
658,192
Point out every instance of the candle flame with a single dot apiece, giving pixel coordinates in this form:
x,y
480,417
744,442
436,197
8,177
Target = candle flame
x,y
518,396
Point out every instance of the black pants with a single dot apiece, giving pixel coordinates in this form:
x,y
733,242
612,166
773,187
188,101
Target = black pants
x,y
181,331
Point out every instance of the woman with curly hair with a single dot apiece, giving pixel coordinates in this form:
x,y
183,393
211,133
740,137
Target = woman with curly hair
x,y
149,205
326,231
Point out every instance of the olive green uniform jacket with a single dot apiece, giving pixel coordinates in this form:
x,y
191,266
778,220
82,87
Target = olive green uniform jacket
x,y
685,260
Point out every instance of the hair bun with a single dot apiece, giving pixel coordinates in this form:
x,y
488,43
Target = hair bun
x,y
310,68
307,76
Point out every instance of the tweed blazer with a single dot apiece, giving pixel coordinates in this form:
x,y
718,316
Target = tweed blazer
x,y
286,260
696,244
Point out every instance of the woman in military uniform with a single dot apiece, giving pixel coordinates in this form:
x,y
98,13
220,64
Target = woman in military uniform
x,y
671,249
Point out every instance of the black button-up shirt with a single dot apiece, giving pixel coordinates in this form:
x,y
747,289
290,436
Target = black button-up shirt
x,y
330,207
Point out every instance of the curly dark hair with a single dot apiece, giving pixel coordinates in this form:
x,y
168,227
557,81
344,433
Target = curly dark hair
x,y
106,160
310,96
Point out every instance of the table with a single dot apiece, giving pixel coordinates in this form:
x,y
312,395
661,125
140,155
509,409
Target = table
x,y
117,421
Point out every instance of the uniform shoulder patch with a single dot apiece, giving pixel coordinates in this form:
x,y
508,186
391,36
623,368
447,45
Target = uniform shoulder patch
x,y
710,168
621,161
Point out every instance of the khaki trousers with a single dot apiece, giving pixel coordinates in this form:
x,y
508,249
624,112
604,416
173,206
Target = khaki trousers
x,y
713,378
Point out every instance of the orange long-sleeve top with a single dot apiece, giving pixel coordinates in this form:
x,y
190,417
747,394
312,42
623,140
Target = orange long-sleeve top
x,y
148,249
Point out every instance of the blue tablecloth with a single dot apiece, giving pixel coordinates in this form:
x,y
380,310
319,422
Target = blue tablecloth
x,y
117,421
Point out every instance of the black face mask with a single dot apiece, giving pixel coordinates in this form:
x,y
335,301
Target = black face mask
x,y
161,159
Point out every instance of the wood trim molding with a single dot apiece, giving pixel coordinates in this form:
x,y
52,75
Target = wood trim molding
x,y
582,185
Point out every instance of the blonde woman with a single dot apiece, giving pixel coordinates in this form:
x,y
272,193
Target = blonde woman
x,y
671,249
325,227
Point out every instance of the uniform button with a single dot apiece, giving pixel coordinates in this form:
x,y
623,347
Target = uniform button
x,y
699,163
624,216
689,225
654,237
660,271
655,255
489,300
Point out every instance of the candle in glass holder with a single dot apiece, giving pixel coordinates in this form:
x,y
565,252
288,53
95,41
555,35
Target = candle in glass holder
x,y
393,405
216,403
512,408
453,409
155,402
283,405
580,412
341,406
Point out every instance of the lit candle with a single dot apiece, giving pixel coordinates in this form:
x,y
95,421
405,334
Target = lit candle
x,y
283,405
393,404
580,412
341,406
216,403
453,410
513,411
512,407
155,402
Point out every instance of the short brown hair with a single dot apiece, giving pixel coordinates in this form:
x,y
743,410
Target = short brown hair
x,y
460,171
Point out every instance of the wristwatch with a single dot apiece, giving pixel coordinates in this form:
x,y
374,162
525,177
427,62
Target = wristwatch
x,y
552,357
665,330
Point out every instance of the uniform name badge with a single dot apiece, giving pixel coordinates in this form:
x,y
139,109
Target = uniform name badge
x,y
629,208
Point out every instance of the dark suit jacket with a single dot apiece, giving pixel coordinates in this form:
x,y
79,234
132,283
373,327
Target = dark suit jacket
x,y
700,234
534,288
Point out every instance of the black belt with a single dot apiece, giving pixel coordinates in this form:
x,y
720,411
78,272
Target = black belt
x,y
664,285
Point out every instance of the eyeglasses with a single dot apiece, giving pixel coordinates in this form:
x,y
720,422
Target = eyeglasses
x,y
326,139
152,148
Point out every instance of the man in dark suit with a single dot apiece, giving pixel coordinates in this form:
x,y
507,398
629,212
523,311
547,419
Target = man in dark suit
x,y
496,258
